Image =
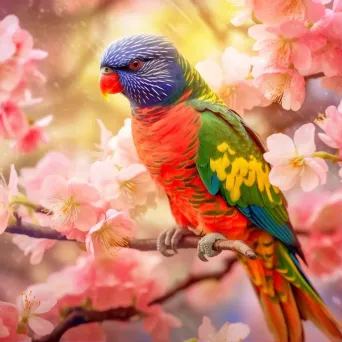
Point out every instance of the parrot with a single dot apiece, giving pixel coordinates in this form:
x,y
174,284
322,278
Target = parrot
x,y
210,164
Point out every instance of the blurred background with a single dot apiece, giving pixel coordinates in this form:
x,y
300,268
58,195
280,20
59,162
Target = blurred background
x,y
74,33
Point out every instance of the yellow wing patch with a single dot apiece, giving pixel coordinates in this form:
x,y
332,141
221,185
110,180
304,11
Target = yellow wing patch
x,y
242,171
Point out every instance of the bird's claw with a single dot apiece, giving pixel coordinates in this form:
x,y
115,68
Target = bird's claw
x,y
170,239
205,246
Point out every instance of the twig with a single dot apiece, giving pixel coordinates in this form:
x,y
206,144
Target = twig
x,y
195,279
314,76
79,315
39,232
35,231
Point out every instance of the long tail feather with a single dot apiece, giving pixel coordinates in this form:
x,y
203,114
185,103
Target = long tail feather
x,y
319,315
285,293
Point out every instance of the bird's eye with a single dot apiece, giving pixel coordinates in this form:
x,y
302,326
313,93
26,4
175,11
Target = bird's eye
x,y
106,70
135,64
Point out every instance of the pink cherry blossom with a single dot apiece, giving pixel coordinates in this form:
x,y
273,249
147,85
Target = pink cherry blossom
x,y
331,124
70,202
6,193
322,255
8,26
310,10
320,214
293,161
13,122
337,6
67,7
102,174
327,57
244,14
133,188
333,83
9,319
232,332
278,11
53,163
283,45
11,74
284,86
230,80
109,234
158,323
122,145
33,302
34,137
17,58
35,247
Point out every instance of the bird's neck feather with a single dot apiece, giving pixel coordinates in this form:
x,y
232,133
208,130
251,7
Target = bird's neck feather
x,y
196,85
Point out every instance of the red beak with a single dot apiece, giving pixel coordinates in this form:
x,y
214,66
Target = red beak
x,y
110,84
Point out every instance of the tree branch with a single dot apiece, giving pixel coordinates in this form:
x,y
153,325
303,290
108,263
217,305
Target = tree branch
x,y
39,232
79,315
35,231
314,76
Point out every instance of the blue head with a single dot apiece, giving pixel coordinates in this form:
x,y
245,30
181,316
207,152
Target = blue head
x,y
145,68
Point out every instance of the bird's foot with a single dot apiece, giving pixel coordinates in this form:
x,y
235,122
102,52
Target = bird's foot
x,y
169,239
205,247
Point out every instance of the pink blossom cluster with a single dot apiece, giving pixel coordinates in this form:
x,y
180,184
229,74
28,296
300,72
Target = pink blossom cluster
x,y
207,332
230,77
92,202
320,215
294,39
103,284
297,161
15,320
98,284
17,67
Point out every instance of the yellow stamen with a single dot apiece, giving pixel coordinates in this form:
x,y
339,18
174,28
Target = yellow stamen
x,y
297,161
283,84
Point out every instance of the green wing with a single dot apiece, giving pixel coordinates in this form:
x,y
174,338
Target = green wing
x,y
230,161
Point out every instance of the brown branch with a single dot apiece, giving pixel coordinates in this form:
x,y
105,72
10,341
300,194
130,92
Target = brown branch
x,y
195,279
35,231
314,76
80,315
39,232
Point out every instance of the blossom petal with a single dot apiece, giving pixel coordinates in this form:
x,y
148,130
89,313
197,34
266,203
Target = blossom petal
x,y
304,139
281,148
314,174
54,187
327,140
40,325
205,330
301,57
238,331
284,177
233,332
83,192
86,218
46,305
211,72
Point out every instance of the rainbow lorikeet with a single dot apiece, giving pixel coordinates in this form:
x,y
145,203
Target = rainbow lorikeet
x,y
211,165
